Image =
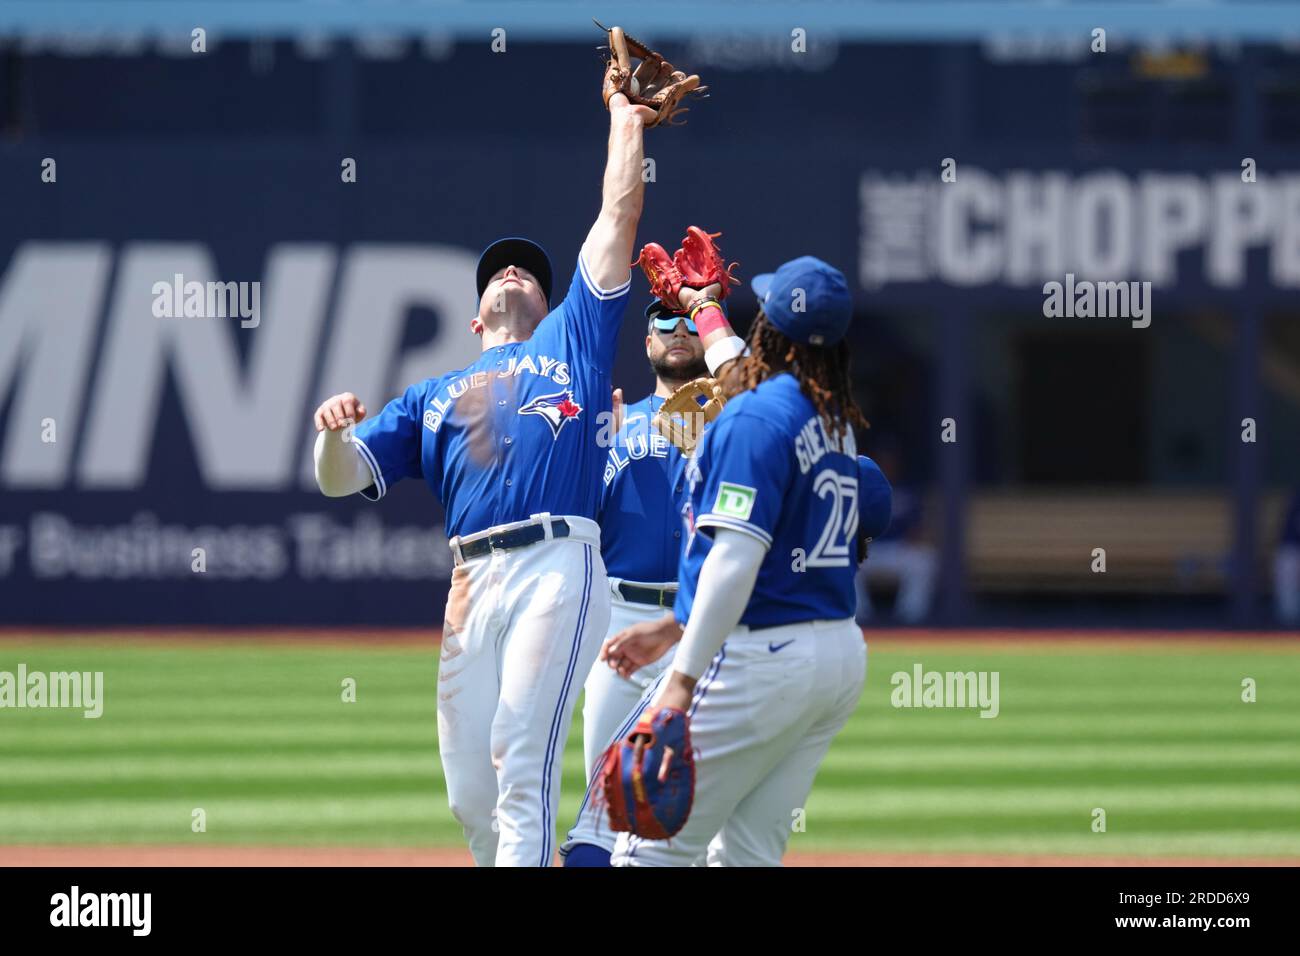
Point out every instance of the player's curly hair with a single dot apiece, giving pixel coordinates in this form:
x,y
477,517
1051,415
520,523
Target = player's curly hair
x,y
822,373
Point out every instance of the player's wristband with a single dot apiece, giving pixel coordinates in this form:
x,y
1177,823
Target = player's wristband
x,y
707,316
700,304
720,353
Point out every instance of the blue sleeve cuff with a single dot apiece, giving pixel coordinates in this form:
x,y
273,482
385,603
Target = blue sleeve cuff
x,y
734,524
380,487
602,294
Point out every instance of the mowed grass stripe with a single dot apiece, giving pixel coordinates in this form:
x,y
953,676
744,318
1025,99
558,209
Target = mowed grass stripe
x,y
241,657
45,731
231,819
264,776
870,758
865,762
1069,675
937,724
356,742
420,747
842,800
40,778
188,766
167,684
394,704
1078,820
995,779
142,704
233,811
1138,843
919,801
252,733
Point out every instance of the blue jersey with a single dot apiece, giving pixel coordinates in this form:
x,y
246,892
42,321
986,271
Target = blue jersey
x,y
767,467
515,433
640,533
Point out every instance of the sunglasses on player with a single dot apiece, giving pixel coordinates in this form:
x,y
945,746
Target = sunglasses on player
x,y
668,323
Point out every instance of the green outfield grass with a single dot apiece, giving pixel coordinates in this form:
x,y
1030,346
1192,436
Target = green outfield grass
x,y
259,738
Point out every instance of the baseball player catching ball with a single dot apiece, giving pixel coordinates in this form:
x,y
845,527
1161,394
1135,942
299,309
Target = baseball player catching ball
x,y
509,446
770,664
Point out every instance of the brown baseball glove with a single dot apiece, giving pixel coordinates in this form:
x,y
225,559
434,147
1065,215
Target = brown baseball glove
x,y
654,82
684,413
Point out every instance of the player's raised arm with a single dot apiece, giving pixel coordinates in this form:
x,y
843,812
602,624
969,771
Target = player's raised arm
x,y
608,249
637,99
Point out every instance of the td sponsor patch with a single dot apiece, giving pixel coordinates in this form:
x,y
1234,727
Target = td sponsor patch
x,y
734,501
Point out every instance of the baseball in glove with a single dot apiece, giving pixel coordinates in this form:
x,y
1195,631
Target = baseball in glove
x,y
648,779
698,264
684,413
654,82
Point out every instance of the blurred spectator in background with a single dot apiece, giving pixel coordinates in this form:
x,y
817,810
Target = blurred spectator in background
x,y
1286,566
899,555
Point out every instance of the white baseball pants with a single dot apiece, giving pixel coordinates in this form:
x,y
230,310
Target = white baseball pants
x,y
607,704
610,698
522,630
762,720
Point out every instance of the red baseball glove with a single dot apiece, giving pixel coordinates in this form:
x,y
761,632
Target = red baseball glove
x,y
648,779
696,265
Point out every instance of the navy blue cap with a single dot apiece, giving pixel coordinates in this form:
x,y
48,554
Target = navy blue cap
x,y
657,309
821,315
514,251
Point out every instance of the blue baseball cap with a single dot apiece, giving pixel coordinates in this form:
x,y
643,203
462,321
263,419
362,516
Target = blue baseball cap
x,y
514,251
825,307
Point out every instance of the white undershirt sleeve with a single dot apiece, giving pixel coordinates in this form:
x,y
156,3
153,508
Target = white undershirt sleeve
x,y
720,353
340,468
721,594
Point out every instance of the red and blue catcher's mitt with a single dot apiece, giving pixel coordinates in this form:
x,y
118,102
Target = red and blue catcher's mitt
x,y
648,779
697,265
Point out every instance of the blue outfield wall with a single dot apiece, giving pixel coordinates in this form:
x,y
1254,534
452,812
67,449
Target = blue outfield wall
x,y
127,440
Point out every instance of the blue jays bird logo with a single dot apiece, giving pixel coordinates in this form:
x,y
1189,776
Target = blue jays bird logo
x,y
688,519
558,409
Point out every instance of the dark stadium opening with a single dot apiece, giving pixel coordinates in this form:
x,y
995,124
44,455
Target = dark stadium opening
x,y
1081,399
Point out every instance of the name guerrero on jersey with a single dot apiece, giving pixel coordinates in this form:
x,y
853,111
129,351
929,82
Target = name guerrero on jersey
x,y
769,468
